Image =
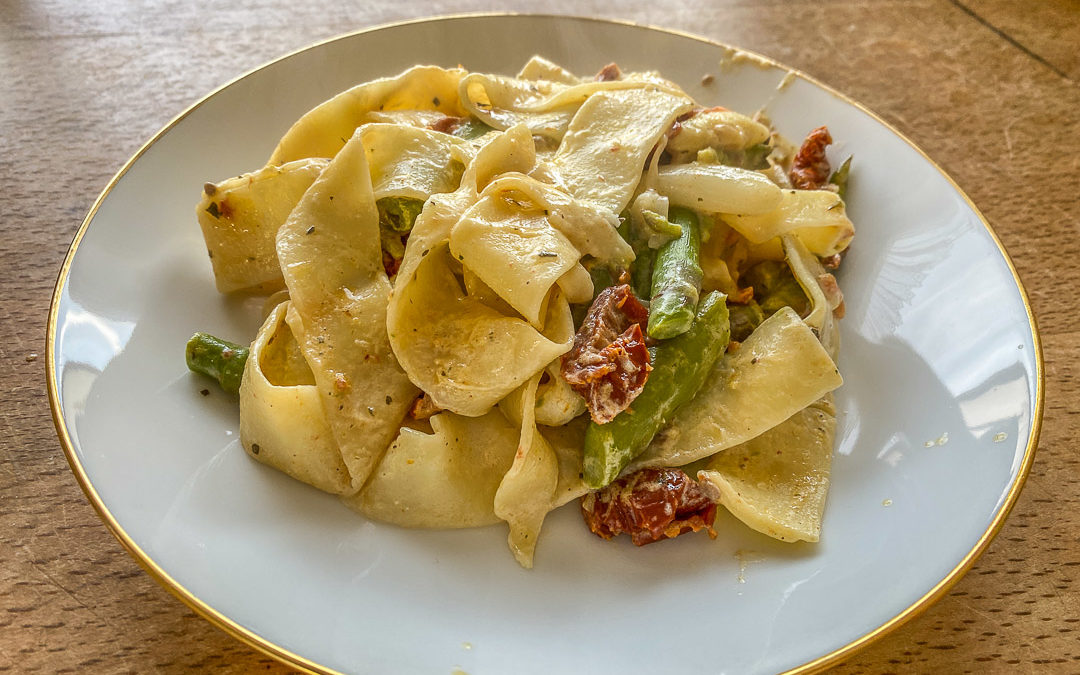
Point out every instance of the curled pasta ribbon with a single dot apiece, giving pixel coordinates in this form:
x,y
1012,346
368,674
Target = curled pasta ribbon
x,y
331,261
546,100
816,217
463,353
446,478
282,423
526,493
323,130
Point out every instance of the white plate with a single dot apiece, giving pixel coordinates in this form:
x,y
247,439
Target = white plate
x,y
938,345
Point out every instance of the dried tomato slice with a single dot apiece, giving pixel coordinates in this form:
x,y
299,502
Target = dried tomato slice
x,y
609,362
447,124
810,168
423,407
650,505
609,73
390,264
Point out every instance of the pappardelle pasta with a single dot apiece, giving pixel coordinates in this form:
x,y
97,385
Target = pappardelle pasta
x,y
490,296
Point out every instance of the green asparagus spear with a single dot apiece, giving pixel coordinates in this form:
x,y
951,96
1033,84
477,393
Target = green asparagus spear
x,y
392,243
641,273
396,218
676,279
641,268
710,156
840,178
661,230
472,129
756,157
397,214
680,367
602,278
775,286
744,319
224,361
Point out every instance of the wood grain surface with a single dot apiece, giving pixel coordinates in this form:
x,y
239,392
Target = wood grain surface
x,y
988,89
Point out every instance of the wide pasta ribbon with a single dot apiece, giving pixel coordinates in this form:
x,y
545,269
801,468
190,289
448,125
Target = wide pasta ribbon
x,y
331,260
447,478
719,129
816,217
240,218
282,423
413,162
780,369
592,231
539,68
602,155
510,151
510,245
546,100
523,237
543,469
462,351
323,130
526,493
777,482
820,287
718,188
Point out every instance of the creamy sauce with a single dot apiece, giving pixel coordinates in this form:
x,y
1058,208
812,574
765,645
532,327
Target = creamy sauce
x,y
939,441
746,558
733,57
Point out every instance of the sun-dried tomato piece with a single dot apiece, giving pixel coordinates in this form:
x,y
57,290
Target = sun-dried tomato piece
x,y
423,407
609,73
447,124
609,362
676,126
390,264
650,505
810,168
627,360
833,294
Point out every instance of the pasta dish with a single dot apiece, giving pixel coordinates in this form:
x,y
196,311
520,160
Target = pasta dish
x,y
491,296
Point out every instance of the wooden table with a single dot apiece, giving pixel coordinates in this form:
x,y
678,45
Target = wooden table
x,y
989,89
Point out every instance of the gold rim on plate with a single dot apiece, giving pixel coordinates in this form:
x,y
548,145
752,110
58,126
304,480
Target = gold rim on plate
x,y
263,645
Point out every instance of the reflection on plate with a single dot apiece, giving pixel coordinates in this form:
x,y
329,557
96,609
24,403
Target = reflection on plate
x,y
939,415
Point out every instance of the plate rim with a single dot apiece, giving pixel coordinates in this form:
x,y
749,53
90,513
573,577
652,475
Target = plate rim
x,y
289,658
